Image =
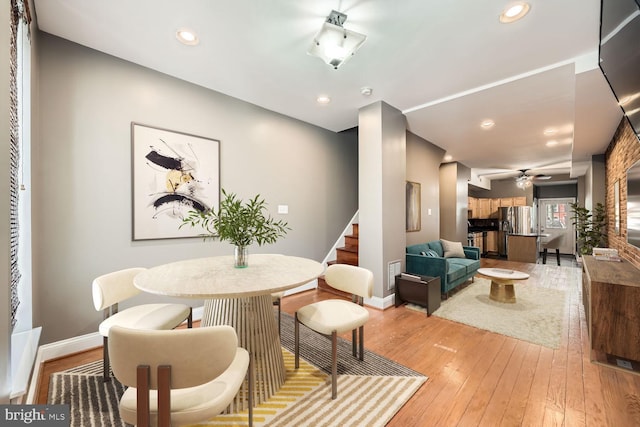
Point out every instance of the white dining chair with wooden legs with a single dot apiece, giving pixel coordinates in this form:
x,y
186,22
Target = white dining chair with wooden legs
x,y
110,289
334,316
180,376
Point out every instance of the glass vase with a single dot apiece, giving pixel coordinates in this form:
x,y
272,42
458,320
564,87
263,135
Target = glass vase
x,y
241,257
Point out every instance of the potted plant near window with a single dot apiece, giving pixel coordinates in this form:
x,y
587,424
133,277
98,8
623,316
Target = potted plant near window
x,y
590,227
241,224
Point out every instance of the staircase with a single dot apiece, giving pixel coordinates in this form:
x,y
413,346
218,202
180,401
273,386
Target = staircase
x,y
348,254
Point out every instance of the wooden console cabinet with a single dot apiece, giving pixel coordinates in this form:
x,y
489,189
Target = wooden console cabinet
x,y
611,298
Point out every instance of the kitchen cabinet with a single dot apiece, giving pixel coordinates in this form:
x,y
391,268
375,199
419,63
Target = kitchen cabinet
x,y
484,208
495,204
473,207
491,241
506,202
520,201
488,207
522,248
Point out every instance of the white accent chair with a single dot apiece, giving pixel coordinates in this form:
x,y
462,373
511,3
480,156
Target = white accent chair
x,y
177,377
334,316
110,289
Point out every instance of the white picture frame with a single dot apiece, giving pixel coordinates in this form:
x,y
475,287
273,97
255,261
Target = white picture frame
x,y
172,173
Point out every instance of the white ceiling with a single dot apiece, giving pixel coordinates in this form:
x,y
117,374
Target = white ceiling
x,y
447,65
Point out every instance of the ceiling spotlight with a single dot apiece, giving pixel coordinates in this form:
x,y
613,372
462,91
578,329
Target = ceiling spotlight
x,y
514,11
552,143
550,131
334,44
366,91
323,99
187,37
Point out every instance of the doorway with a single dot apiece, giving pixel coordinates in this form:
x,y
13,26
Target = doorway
x,y
554,220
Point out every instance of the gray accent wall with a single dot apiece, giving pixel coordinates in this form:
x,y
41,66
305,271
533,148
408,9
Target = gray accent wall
x,y
423,167
82,175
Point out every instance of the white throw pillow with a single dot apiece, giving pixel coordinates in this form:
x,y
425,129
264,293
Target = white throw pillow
x,y
452,249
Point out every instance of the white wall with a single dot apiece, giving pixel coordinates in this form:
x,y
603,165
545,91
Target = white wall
x,y
82,175
382,175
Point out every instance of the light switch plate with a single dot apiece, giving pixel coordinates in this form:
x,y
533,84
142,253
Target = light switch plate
x,y
283,209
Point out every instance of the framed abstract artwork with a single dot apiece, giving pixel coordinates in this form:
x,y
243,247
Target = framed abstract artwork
x,y
413,210
172,173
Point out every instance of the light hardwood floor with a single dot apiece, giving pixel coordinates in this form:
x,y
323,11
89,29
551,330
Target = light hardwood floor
x,y
478,378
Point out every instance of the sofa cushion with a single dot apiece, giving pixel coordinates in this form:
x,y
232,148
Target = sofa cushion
x,y
470,265
455,271
452,249
436,246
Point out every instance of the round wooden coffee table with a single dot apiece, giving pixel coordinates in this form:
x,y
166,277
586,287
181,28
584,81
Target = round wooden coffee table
x,y
502,283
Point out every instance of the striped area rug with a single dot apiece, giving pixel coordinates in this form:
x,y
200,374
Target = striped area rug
x,y
369,392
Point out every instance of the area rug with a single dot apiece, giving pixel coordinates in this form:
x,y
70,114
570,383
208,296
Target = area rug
x,y
369,392
536,316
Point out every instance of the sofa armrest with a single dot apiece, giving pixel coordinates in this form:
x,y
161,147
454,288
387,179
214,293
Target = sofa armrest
x,y
427,266
471,252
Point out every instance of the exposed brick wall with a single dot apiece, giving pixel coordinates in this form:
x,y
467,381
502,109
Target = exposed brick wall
x,y
622,153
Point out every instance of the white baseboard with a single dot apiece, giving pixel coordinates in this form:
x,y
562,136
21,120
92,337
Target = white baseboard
x,y
69,346
381,303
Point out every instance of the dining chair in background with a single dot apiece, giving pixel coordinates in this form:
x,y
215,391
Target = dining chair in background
x,y
334,316
551,243
180,376
276,299
110,289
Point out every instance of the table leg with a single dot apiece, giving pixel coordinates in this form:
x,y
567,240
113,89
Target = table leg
x,y
255,325
502,291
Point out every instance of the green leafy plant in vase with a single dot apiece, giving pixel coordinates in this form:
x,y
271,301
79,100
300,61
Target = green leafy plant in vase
x,y
240,223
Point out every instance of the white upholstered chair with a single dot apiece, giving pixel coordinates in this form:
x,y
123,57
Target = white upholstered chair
x,y
180,376
112,288
334,316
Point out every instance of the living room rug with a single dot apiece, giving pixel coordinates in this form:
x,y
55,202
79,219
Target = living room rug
x,y
536,316
369,392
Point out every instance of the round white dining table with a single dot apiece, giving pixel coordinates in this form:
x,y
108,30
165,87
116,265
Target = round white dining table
x,y
240,297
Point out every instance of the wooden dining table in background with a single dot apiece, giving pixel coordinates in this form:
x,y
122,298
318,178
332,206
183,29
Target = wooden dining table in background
x,y
240,297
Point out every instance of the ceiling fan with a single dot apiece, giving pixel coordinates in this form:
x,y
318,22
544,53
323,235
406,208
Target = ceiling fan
x,y
525,180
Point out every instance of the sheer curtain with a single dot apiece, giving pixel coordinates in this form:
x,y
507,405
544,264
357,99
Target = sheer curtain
x,y
20,16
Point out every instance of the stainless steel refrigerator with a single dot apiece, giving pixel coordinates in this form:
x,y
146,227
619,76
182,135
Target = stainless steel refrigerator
x,y
514,220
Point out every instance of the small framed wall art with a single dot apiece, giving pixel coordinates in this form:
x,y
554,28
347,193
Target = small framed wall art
x,y
172,173
413,210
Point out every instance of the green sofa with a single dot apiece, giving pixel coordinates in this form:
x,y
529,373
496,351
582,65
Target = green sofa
x,y
427,259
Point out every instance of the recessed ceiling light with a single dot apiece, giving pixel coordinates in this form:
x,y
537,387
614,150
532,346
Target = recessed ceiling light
x,y
514,11
487,124
188,37
552,143
550,131
448,158
323,99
